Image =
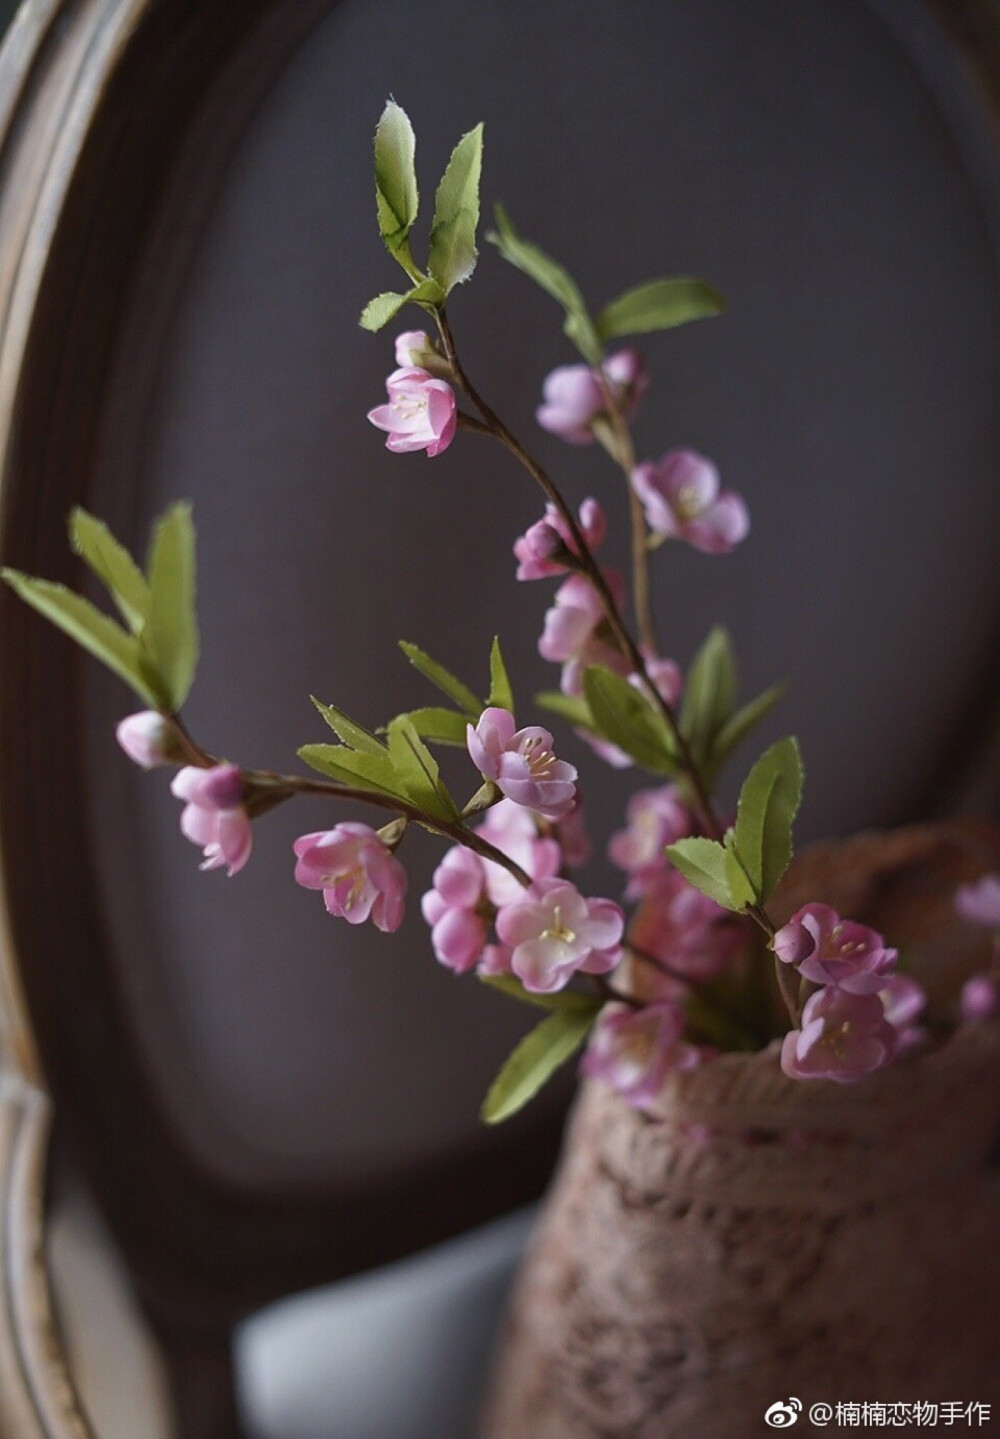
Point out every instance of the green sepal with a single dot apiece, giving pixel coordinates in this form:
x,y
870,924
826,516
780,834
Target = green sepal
x,y
659,305
533,1062
553,279
453,254
443,679
113,565
623,715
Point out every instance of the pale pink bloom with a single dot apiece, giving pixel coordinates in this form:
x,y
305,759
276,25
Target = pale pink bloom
x,y
410,346
537,548
514,831
573,397
420,415
147,738
979,902
454,909
634,1050
683,501
571,832
980,998
903,1000
843,1038
553,932
521,762
575,633
359,875
831,950
213,815
685,930
655,818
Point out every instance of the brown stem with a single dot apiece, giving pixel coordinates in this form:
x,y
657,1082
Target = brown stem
x,y
642,601
626,644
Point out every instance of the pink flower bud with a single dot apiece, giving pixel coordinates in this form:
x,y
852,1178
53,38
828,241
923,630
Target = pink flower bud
x,y
360,877
683,501
147,738
536,550
521,763
410,346
421,413
213,816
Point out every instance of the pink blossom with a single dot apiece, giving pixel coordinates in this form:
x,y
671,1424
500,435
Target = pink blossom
x,y
683,501
903,999
147,738
575,633
831,950
213,815
553,931
980,998
571,832
359,875
573,397
513,830
453,909
980,902
685,930
655,818
634,1050
843,1037
495,960
522,763
411,345
421,412
537,548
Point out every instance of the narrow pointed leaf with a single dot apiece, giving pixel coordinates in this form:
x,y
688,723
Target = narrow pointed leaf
x,y
349,730
703,863
85,624
453,252
443,679
659,305
416,770
396,195
169,638
501,693
623,715
739,725
112,564
709,692
768,803
534,1061
553,279
572,708
439,725
353,768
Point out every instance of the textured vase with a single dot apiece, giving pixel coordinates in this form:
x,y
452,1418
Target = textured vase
x,y
767,1240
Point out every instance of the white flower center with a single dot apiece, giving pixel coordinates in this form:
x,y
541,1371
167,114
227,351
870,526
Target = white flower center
x,y
688,502
409,406
540,760
556,931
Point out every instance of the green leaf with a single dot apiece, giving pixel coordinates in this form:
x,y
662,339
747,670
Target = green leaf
x,y
443,679
709,692
659,305
741,890
352,767
572,708
768,803
85,624
622,714
396,195
417,773
703,863
501,694
453,252
169,639
349,731
568,999
384,308
439,725
112,564
739,725
553,279
534,1061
